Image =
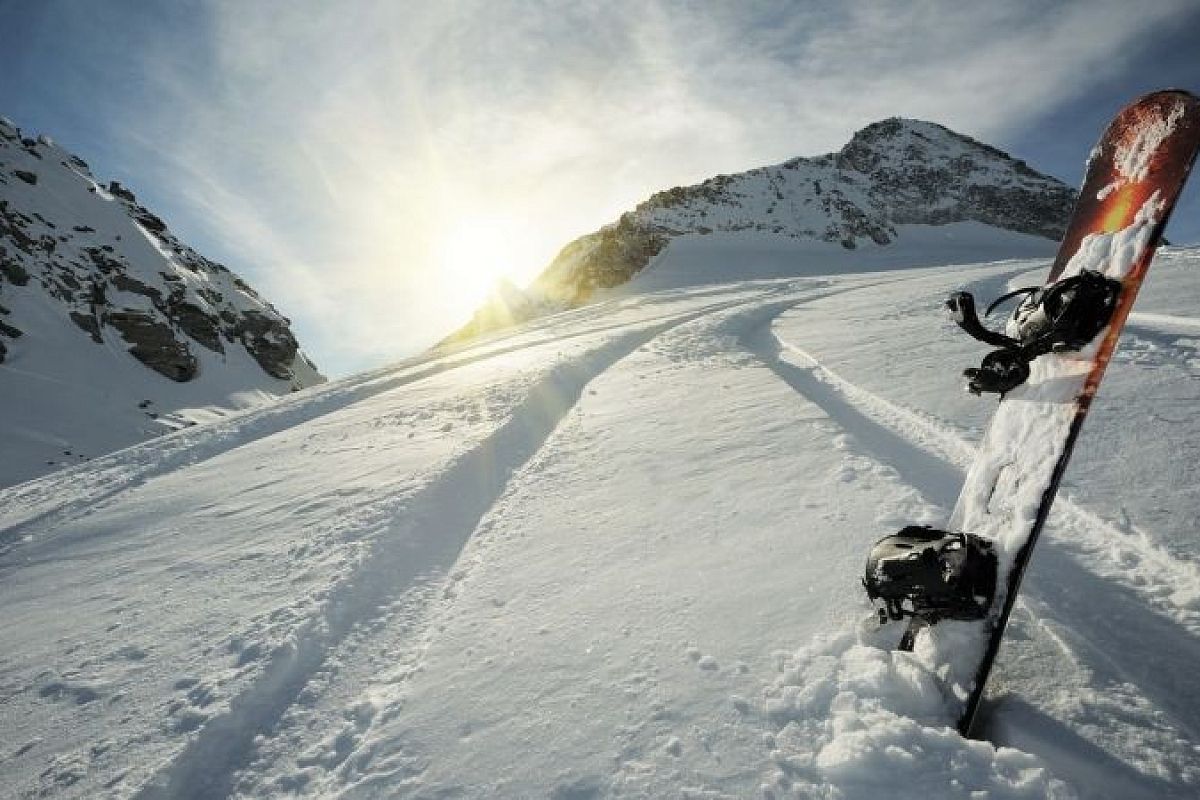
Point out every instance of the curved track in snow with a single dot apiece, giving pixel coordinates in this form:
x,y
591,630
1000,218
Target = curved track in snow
x,y
407,560
713,330
33,506
1095,594
24,507
925,449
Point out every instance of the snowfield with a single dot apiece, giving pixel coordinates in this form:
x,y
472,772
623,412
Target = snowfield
x,y
614,553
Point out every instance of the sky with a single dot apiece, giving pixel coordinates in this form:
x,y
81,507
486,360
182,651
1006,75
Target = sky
x,y
373,167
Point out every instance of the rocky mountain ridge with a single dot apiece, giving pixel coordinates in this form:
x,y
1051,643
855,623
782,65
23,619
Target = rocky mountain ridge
x,y
891,174
131,276
105,314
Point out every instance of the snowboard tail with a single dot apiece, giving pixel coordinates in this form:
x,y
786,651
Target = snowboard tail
x,y
1134,176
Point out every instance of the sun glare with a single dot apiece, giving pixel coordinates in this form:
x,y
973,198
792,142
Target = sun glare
x,y
478,250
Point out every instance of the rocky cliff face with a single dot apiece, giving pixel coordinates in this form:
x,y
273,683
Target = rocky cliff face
x,y
103,309
115,267
891,174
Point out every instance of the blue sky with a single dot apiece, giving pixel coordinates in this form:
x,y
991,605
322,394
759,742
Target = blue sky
x,y
372,166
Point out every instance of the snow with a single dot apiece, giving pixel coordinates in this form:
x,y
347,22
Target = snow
x,y
1134,156
66,399
752,255
613,553
861,721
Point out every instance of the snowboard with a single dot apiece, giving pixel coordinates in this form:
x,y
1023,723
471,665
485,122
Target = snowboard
x,y
1134,176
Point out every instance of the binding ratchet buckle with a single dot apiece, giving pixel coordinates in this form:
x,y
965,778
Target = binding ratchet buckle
x,y
1064,316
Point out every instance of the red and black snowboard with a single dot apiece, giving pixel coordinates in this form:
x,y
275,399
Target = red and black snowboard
x,y
958,586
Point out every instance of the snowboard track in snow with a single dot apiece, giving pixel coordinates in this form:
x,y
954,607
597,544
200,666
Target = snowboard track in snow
x,y
125,470
931,475
1107,546
417,548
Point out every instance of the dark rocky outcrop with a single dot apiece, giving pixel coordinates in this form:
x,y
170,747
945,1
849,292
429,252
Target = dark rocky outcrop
x,y
117,190
270,342
196,323
12,271
148,221
922,173
613,255
127,283
89,324
154,343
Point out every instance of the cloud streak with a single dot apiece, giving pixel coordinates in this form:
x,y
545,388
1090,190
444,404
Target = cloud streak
x,y
330,149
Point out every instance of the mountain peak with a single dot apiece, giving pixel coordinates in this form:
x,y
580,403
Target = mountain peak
x,y
902,138
893,173
111,328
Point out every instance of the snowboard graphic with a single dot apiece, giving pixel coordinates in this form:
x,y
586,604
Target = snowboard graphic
x,y
957,587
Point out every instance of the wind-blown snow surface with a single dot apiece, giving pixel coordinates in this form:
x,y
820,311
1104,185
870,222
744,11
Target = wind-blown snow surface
x,y
612,554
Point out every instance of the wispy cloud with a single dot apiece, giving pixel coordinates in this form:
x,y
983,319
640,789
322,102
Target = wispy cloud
x,y
335,147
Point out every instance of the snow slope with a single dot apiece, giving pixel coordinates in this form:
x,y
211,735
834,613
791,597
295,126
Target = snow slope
x,y
112,330
614,553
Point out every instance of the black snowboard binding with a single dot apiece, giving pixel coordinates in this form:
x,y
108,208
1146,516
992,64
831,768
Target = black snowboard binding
x,y
1066,315
931,574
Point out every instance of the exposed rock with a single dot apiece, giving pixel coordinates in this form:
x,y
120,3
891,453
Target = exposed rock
x,y
117,190
612,256
29,177
12,227
199,325
211,296
148,220
101,258
505,306
921,173
88,323
127,283
270,342
12,270
9,330
154,344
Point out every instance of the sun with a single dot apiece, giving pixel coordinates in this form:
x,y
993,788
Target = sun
x,y
477,250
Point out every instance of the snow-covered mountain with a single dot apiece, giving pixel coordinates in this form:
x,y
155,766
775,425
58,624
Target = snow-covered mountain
x,y
892,180
111,329
613,553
